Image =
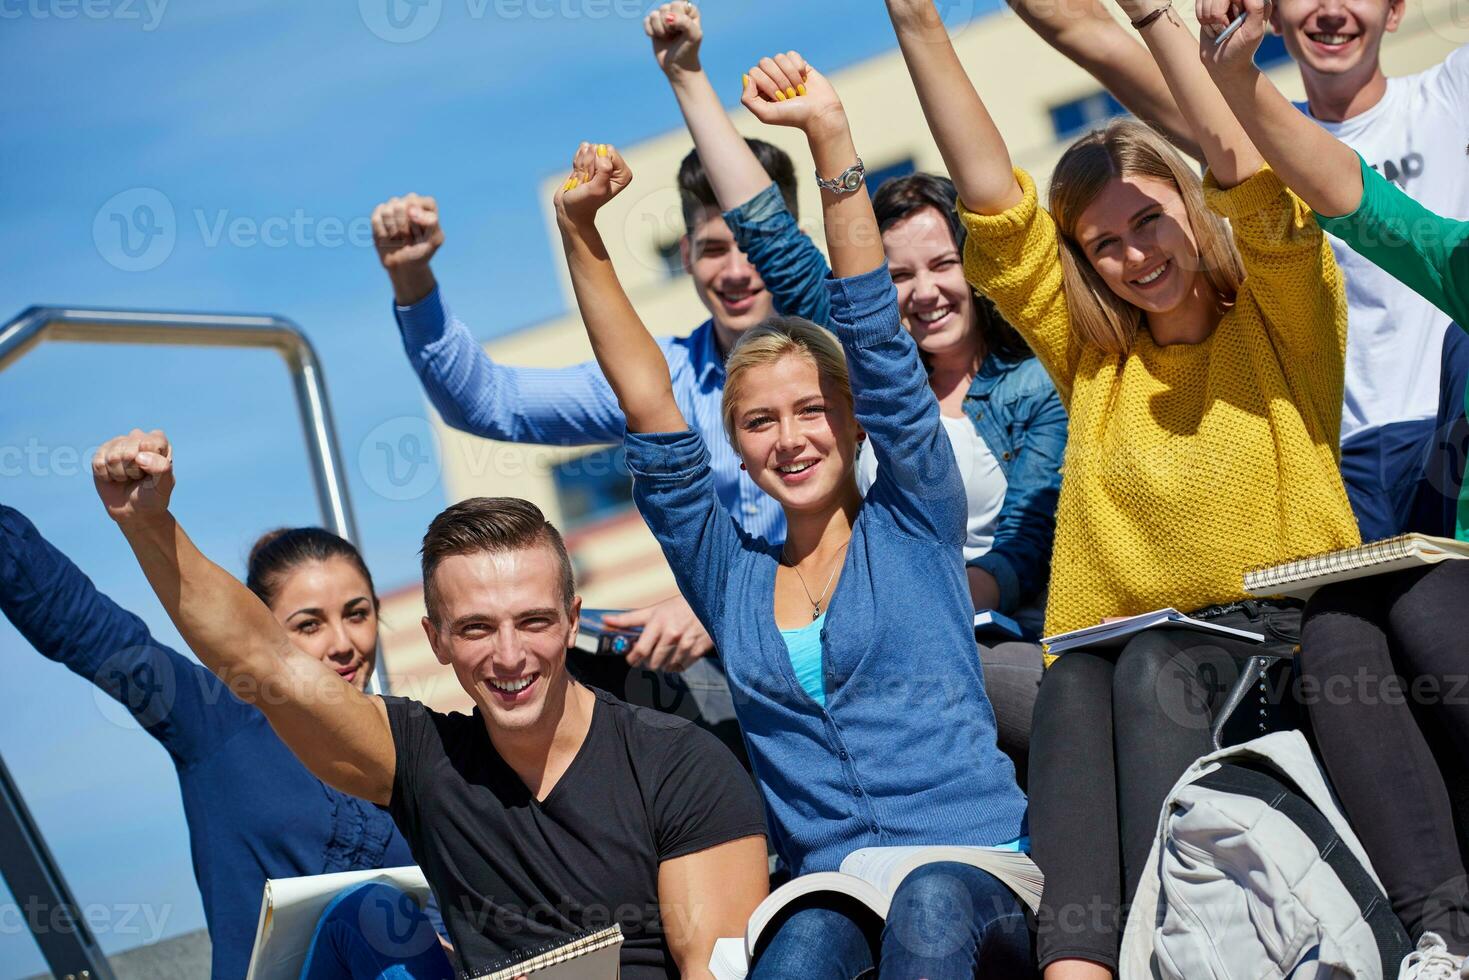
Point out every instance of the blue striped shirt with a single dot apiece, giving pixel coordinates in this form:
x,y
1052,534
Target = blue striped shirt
x,y
575,406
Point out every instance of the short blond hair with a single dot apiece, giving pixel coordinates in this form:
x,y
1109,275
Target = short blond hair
x,y
1127,148
776,338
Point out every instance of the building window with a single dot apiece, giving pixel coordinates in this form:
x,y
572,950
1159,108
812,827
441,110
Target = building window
x,y
1271,51
876,178
671,256
1084,114
592,486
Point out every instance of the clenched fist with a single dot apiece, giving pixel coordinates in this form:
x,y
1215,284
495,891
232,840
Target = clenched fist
x,y
407,233
677,33
598,174
134,475
783,90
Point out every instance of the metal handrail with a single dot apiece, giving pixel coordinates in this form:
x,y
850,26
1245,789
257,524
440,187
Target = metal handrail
x,y
25,861
83,325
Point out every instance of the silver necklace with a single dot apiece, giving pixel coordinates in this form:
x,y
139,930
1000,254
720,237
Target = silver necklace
x,y
815,603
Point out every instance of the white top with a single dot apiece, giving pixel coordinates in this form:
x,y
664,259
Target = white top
x,y
984,482
1415,136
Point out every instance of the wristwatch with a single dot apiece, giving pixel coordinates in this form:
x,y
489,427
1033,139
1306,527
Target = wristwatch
x,y
846,182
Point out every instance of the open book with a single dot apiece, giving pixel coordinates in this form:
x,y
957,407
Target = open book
x,y
1118,631
1303,577
871,876
291,907
592,955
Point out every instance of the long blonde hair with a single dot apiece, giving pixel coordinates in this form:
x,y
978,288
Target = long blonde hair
x,y
1127,148
772,340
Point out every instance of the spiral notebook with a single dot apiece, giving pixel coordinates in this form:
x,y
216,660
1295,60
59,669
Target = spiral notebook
x,y
1302,577
592,955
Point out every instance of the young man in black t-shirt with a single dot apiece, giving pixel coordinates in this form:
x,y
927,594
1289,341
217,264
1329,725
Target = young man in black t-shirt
x,y
551,809
555,808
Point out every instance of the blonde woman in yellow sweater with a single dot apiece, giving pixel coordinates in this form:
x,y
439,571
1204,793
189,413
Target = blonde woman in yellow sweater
x,y
1202,369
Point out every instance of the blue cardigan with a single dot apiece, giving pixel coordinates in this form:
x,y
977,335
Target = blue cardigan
x,y
904,752
1012,404
254,811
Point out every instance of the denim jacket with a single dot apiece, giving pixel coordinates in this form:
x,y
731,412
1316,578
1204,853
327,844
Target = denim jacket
x,y
1013,405
1016,411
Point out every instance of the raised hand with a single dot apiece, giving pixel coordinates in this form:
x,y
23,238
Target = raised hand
x,y
598,174
677,32
1237,52
407,233
783,90
134,475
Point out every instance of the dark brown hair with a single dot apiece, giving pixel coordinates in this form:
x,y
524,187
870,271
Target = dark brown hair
x,y
900,198
491,525
696,194
276,554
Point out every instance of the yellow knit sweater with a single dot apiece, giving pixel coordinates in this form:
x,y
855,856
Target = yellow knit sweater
x,y
1188,464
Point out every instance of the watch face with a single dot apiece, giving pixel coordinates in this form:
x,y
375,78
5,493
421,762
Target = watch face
x,y
851,180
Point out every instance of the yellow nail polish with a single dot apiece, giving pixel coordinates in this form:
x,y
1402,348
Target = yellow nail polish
x,y
800,90
790,93
601,149
780,96
744,81
574,182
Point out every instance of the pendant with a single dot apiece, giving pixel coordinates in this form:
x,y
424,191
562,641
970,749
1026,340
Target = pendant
x,y
815,613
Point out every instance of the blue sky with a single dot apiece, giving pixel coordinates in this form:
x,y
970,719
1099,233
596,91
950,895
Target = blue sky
x,y
241,145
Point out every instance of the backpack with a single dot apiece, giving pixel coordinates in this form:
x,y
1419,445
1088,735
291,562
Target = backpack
x,y
1255,873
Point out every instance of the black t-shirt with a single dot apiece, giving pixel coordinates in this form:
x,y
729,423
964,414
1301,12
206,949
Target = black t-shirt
x,y
511,874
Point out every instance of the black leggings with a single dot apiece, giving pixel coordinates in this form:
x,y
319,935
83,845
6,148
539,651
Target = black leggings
x,y
1111,735
1375,650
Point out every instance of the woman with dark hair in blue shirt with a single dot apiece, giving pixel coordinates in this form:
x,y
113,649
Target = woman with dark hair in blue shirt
x,y
849,648
253,810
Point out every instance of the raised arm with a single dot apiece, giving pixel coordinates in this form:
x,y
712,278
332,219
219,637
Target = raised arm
x,y
973,150
734,171
918,480
789,263
339,733
1323,170
630,358
851,226
569,406
1086,34
1231,157
57,610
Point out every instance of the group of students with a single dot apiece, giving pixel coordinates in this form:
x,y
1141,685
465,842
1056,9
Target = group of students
x,y
1116,402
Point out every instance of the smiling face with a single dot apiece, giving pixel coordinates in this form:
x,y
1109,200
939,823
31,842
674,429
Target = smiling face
x,y
795,431
935,300
1336,37
1137,236
726,282
327,610
500,621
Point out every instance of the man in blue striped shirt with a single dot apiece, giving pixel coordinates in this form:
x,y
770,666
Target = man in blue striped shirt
x,y
574,406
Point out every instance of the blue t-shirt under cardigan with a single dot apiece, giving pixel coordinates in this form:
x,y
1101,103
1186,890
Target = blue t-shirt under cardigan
x,y
904,751
254,811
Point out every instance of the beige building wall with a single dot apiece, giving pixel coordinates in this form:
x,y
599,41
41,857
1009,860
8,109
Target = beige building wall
x,y
619,564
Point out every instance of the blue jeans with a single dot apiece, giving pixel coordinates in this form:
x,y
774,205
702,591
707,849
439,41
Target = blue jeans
x,y
947,922
375,931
